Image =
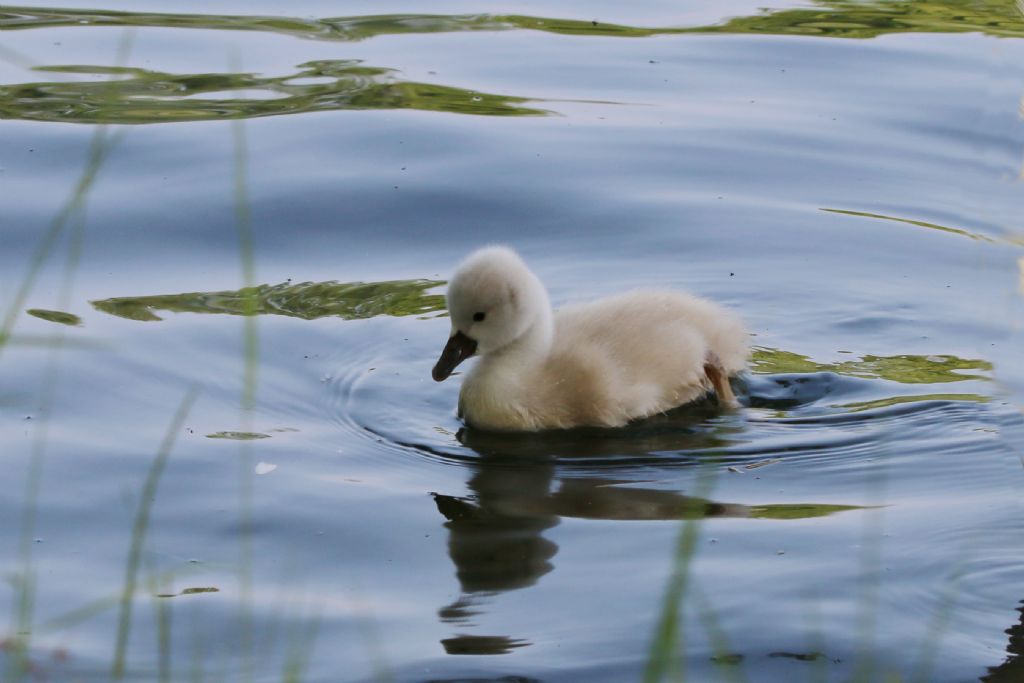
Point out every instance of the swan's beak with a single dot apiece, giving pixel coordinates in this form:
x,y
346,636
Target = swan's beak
x,y
459,348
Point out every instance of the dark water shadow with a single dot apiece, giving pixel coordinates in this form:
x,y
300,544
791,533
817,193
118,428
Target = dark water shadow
x,y
481,645
496,534
1011,670
680,435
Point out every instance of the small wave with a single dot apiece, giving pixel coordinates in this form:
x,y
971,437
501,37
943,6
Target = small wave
x,y
387,400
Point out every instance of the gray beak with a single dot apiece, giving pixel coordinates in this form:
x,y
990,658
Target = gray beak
x,y
459,348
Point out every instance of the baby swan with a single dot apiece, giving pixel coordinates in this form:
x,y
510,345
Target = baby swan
x,y
598,364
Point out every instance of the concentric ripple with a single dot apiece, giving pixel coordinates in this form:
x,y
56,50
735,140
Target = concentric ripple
x,y
382,395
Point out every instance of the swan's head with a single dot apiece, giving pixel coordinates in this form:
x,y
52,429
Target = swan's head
x,y
493,300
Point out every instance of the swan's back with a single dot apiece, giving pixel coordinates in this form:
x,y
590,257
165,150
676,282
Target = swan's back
x,y
641,353
641,324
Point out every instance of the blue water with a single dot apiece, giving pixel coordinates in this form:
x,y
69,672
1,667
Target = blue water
x,y
849,184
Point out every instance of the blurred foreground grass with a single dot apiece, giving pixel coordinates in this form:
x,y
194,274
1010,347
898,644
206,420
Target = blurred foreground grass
x,y
141,96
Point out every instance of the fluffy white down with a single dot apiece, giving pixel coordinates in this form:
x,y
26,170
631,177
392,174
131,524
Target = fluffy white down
x,y
603,363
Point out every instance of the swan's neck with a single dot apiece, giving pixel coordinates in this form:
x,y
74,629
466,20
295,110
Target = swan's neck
x,y
495,391
532,347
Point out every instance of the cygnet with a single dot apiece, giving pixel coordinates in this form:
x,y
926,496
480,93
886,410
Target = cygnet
x,y
600,364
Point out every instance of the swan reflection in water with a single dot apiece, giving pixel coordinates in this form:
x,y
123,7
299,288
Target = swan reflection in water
x,y
496,533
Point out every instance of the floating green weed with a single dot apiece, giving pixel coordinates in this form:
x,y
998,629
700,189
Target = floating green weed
x,y
921,224
144,96
59,317
798,510
857,406
829,19
907,369
306,300
141,96
238,436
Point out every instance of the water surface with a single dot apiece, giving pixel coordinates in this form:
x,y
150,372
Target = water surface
x,y
246,218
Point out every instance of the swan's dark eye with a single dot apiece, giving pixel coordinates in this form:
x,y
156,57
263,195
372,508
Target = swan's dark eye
x,y
479,316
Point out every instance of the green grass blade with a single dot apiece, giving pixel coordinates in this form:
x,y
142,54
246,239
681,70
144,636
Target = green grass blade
x,y
665,656
139,530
